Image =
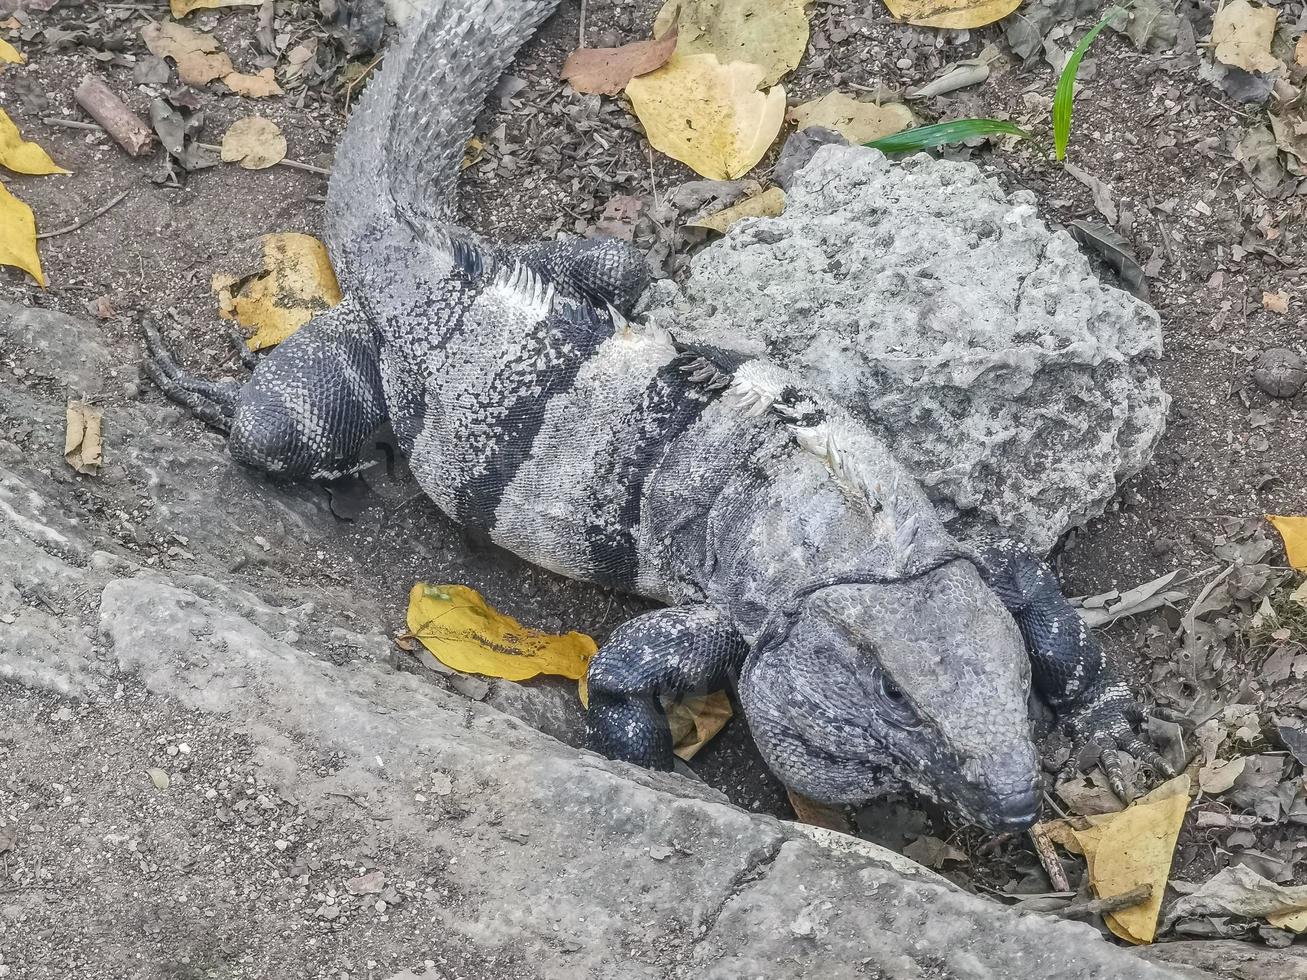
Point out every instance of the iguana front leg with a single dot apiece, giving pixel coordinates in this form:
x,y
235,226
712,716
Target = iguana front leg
x,y
680,651
1071,672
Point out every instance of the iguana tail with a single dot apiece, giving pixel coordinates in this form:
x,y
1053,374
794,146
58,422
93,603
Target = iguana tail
x,y
400,153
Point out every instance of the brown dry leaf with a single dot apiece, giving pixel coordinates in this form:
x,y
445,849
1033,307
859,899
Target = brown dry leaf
x,y
1242,34
199,57
695,721
768,204
708,115
857,122
1276,302
180,8
1300,52
958,15
262,85
9,54
605,71
1132,848
292,282
82,438
18,236
463,632
770,33
1294,532
1088,794
20,156
253,142
1217,777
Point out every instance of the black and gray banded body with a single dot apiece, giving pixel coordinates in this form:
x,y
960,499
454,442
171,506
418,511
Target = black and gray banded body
x,y
797,558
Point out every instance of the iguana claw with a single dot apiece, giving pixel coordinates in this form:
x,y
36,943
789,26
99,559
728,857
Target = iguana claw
x,y
1107,723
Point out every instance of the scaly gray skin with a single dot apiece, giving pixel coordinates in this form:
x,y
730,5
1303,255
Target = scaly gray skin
x,y
872,651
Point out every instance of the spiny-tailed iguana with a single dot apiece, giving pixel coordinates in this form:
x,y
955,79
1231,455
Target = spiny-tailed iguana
x,y
798,559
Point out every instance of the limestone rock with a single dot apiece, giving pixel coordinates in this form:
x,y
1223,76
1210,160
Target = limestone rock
x,y
1018,387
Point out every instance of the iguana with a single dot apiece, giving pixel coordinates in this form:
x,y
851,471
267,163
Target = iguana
x,y
797,558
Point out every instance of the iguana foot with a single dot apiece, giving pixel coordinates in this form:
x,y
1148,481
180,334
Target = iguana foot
x,y
212,402
1071,672
1104,725
679,651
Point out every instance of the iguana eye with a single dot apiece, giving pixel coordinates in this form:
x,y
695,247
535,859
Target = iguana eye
x,y
897,708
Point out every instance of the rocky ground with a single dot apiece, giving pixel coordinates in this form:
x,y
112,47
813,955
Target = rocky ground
x,y
177,622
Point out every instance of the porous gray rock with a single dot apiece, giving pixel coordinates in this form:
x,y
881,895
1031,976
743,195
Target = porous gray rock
x,y
145,593
1019,388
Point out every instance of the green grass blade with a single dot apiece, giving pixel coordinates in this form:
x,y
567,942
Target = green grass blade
x,y
928,137
1066,86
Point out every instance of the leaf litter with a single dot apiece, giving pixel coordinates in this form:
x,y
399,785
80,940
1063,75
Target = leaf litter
x,y
606,71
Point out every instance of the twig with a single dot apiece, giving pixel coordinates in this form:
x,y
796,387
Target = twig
x,y
113,115
354,82
581,41
1048,858
93,128
1112,903
84,221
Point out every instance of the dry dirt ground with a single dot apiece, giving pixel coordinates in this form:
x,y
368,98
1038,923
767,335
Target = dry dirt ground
x,y
1145,124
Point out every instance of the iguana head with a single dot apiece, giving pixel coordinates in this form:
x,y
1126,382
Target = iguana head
x,y
918,684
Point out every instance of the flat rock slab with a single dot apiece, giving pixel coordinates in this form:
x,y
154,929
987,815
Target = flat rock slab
x,y
217,768
979,344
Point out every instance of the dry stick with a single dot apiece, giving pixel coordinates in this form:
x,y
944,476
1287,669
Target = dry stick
x,y
581,41
1112,903
1048,858
93,128
125,126
84,221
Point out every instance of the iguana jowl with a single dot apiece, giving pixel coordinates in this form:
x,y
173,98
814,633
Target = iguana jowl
x,y
798,559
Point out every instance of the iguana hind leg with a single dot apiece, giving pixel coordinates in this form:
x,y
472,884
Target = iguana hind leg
x,y
681,651
605,270
1071,671
308,409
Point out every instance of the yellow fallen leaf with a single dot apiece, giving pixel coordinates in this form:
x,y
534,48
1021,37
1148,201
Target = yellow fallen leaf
x,y
695,721
957,15
768,204
463,632
82,438
857,122
1294,532
262,85
18,236
1132,848
20,156
1242,34
473,153
180,8
769,33
293,281
708,115
253,142
9,54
